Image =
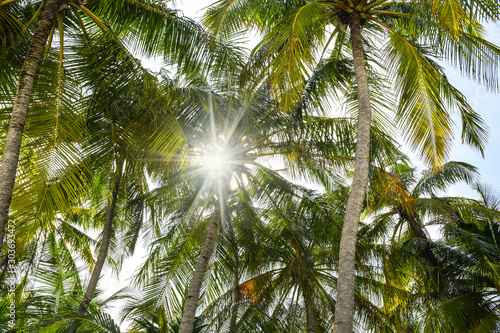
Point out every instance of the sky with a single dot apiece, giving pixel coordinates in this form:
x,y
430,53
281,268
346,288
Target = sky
x,y
488,106
485,103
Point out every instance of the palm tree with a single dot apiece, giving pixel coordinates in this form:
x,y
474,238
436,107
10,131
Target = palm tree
x,y
130,135
296,271
414,32
127,132
405,196
435,270
12,146
471,227
236,131
288,276
155,28
233,140
50,303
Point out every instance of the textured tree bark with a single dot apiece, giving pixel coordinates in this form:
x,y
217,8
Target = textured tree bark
x,y
344,310
12,146
310,314
191,304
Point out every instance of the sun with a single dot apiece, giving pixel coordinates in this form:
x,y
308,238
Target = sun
x,y
216,160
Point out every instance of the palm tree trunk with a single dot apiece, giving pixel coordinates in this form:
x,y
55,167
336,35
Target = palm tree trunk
x,y
103,250
310,315
236,295
106,237
344,310
12,146
191,304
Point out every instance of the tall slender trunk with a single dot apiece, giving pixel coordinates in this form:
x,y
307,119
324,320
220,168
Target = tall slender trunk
x,y
12,146
191,304
106,236
344,310
236,294
310,314
103,250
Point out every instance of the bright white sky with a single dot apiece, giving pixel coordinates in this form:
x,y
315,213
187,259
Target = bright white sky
x,y
488,105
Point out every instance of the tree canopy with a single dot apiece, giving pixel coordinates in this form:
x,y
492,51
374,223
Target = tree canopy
x,y
262,190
